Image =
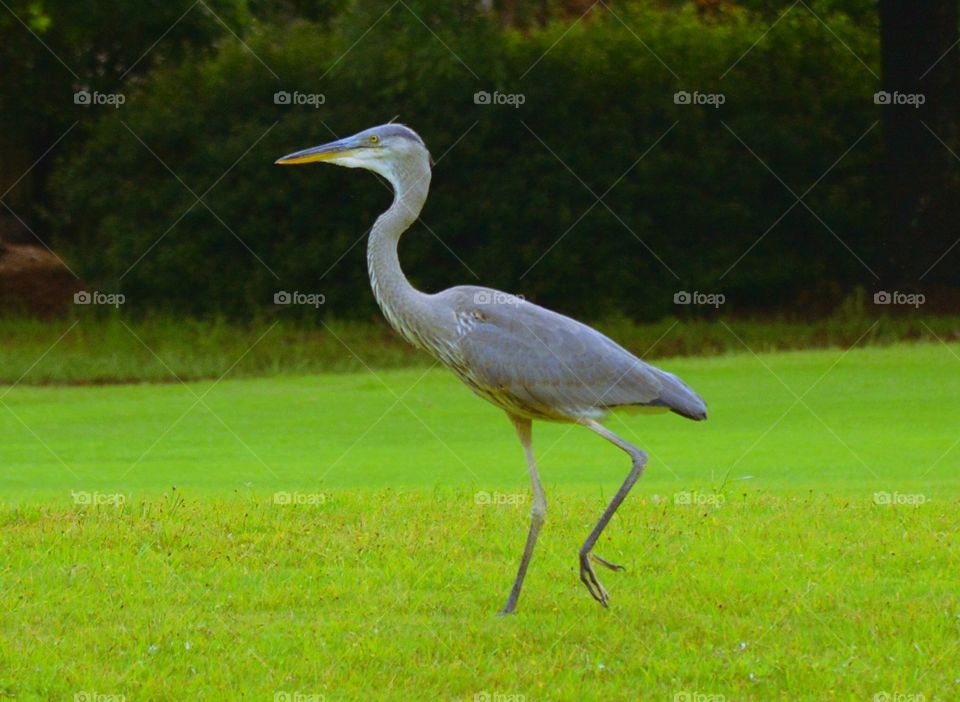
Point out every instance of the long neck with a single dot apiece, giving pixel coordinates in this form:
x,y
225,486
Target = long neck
x,y
402,304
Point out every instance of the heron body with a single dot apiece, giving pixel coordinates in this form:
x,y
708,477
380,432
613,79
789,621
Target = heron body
x,y
533,363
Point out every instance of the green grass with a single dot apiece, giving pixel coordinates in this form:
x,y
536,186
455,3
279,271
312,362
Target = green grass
x,y
111,348
787,579
392,596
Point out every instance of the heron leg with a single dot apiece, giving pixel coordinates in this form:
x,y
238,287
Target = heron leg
x,y
604,561
537,514
639,459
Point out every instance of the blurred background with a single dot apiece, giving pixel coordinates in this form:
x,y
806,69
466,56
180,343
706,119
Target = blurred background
x,y
632,161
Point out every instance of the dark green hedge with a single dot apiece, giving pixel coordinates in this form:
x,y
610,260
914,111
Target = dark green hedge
x,y
507,204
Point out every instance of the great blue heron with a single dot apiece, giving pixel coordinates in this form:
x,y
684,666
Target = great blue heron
x,y
527,360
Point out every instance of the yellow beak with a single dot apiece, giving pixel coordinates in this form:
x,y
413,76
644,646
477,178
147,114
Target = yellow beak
x,y
326,152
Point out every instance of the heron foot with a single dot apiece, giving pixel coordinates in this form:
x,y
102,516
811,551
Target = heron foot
x,y
589,578
604,561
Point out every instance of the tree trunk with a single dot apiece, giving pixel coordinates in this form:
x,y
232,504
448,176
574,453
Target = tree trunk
x,y
919,102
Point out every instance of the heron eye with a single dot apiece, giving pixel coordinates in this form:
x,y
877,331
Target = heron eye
x,y
374,139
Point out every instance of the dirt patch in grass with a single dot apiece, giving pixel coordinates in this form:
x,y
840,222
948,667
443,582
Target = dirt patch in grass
x,y
34,280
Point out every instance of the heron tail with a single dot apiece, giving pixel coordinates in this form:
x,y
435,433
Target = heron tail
x,y
682,400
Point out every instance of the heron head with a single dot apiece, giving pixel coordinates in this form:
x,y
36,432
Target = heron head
x,y
386,150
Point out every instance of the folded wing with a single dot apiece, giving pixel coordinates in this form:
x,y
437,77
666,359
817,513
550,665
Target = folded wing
x,y
553,365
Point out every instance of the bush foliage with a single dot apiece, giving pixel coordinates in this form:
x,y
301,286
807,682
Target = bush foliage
x,y
598,194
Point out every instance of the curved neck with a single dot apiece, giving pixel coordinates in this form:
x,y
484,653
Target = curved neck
x,y
400,301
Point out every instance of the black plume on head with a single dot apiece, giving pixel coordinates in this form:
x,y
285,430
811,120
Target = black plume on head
x,y
400,130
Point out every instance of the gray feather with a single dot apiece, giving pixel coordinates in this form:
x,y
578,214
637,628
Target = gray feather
x,y
545,365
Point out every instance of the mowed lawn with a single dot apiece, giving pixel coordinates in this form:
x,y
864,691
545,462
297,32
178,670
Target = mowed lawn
x,y
341,537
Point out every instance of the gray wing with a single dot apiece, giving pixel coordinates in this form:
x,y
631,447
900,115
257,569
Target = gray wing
x,y
553,365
